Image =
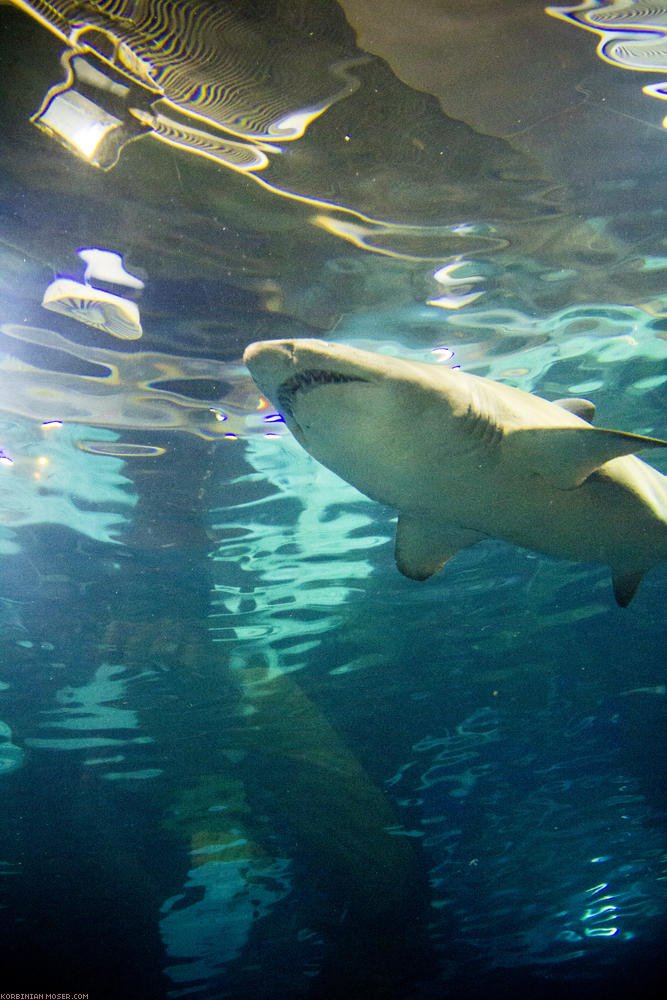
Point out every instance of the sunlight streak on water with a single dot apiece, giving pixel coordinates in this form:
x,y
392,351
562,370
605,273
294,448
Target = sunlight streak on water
x,y
296,583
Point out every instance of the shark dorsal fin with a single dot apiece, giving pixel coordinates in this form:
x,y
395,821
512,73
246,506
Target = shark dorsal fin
x,y
580,407
566,456
423,546
625,585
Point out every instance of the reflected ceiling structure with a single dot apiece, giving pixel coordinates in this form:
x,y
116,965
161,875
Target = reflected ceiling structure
x,y
325,121
237,86
632,35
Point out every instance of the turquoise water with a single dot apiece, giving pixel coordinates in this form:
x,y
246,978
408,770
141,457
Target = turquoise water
x,y
241,756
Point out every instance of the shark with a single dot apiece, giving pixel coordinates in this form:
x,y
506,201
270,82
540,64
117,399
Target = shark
x,y
463,458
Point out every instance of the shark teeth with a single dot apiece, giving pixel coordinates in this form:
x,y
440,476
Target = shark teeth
x,y
307,380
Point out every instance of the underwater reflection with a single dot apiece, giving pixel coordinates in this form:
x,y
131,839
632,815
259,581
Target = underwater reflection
x,y
632,36
131,390
51,481
94,306
234,85
323,141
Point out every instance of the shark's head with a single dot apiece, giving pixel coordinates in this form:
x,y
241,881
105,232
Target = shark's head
x,y
355,412
301,376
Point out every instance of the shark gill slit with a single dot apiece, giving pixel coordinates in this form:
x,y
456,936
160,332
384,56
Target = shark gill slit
x,y
479,424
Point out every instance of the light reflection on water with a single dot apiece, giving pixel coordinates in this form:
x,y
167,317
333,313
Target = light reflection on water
x,y
302,774
127,392
548,921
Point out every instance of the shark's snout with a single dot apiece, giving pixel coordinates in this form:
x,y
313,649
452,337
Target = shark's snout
x,y
268,352
270,363
284,369
251,352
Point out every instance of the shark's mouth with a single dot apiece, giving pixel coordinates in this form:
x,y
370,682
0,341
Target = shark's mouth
x,y
306,381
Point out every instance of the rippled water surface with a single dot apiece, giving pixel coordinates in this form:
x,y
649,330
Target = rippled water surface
x,y
240,755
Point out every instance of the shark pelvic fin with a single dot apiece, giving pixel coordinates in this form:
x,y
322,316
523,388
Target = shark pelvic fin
x,y
423,546
625,585
566,456
581,407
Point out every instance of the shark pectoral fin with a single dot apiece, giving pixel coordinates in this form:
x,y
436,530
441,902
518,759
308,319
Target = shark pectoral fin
x,y
581,407
423,546
625,585
566,456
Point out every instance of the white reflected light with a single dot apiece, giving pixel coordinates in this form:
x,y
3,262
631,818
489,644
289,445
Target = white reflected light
x,y
443,353
106,265
592,914
77,122
119,449
444,274
294,125
94,307
454,301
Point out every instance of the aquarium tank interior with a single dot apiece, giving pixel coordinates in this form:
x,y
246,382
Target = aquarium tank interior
x,y
258,742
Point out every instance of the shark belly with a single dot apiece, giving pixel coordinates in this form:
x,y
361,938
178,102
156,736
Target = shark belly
x,y
599,521
617,516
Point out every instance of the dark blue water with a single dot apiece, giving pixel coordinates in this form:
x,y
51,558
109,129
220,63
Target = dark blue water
x,y
240,755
